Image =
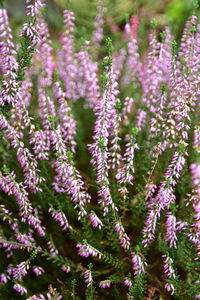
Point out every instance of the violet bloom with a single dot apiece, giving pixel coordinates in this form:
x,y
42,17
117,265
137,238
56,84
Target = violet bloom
x,y
139,264
158,121
67,119
126,110
41,144
38,270
123,237
118,62
65,268
45,54
127,282
25,157
115,149
195,174
196,139
9,63
169,272
151,75
88,277
87,250
97,35
105,283
141,119
125,174
164,197
68,178
150,226
11,187
52,248
133,64
4,278
32,28
60,217
96,222
20,289
105,110
26,239
33,10
171,230
89,68
21,270
184,82
67,64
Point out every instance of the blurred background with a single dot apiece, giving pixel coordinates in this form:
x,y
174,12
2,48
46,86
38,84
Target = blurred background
x,y
166,12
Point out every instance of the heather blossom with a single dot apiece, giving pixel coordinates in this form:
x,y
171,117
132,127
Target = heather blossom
x,y
169,272
88,277
60,217
20,289
105,109
105,283
20,270
128,282
96,222
171,230
98,24
65,268
68,178
4,278
86,250
139,264
125,174
38,270
123,237
67,64
65,210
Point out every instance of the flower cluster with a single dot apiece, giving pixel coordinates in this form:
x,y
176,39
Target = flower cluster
x,y
99,158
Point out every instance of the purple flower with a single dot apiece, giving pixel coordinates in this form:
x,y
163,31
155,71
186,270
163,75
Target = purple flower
x,y
171,230
88,277
11,187
105,283
87,250
20,270
141,119
133,64
96,222
139,264
60,217
68,178
65,268
127,282
125,174
97,35
169,272
4,278
67,64
38,270
52,248
123,237
150,226
20,289
33,10
90,85
67,119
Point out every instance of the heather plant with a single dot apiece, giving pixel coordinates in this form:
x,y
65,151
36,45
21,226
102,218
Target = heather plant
x,y
100,169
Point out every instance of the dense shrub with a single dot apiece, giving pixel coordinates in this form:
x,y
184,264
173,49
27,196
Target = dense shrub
x,y
99,171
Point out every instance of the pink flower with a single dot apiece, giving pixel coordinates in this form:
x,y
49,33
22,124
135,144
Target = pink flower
x,y
105,283
96,222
